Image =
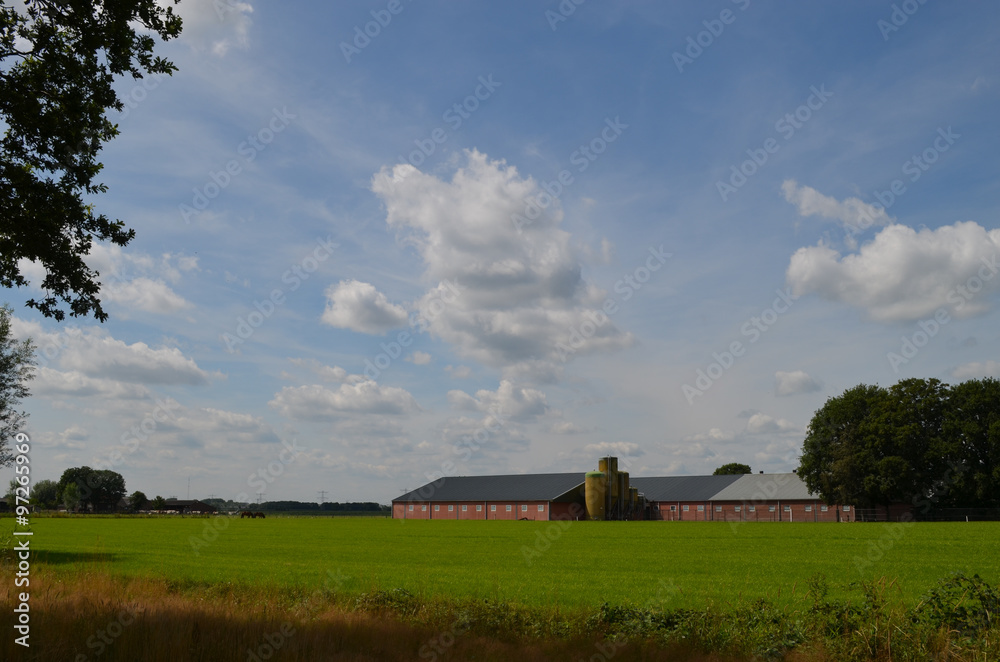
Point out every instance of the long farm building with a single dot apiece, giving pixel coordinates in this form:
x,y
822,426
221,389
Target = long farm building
x,y
609,494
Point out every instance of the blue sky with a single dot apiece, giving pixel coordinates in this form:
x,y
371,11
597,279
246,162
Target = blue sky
x,y
511,237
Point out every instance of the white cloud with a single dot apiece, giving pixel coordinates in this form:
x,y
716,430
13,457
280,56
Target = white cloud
x,y
134,281
358,306
764,424
56,383
905,275
715,434
152,296
791,383
95,353
215,25
508,401
520,294
977,370
328,373
459,372
565,427
318,402
419,358
620,449
853,213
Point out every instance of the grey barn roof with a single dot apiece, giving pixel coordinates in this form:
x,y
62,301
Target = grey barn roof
x,y
682,488
524,487
760,487
549,487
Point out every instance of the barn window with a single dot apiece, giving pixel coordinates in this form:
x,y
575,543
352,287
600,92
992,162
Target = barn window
x,y
809,509
541,508
423,509
493,508
770,509
508,507
464,508
738,508
451,508
411,507
701,509
686,507
524,508
718,509
752,509
673,509
788,509
823,509
437,508
847,509
479,508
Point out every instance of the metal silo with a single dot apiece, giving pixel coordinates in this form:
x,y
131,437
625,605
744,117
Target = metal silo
x,y
595,486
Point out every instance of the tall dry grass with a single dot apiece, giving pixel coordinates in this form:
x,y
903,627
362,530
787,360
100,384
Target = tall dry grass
x,y
97,616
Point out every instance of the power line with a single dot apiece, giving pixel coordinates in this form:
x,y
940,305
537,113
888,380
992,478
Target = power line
x,y
322,495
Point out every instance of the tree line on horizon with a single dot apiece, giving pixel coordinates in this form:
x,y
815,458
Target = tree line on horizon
x,y
84,489
920,442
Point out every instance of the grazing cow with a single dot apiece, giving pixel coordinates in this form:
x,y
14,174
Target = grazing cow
x,y
259,514
245,513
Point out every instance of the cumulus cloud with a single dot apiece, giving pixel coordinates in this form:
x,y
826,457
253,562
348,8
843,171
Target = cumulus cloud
x,y
328,373
215,26
317,402
419,358
358,306
520,294
134,281
56,383
764,424
620,449
977,370
715,434
146,294
853,213
904,274
95,353
565,427
791,383
459,372
507,402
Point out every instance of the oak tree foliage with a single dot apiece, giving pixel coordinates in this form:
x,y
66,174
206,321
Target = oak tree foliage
x,y
59,60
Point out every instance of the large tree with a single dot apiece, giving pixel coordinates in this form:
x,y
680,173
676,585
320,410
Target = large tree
x,y
58,62
838,450
17,363
45,494
137,501
905,442
733,469
919,442
100,489
972,446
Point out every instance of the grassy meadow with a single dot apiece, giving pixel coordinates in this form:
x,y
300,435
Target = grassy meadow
x,y
224,589
570,565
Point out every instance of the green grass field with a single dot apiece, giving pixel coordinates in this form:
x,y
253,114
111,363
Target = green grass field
x,y
653,563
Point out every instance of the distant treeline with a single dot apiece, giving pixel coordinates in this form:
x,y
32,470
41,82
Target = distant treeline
x,y
284,506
